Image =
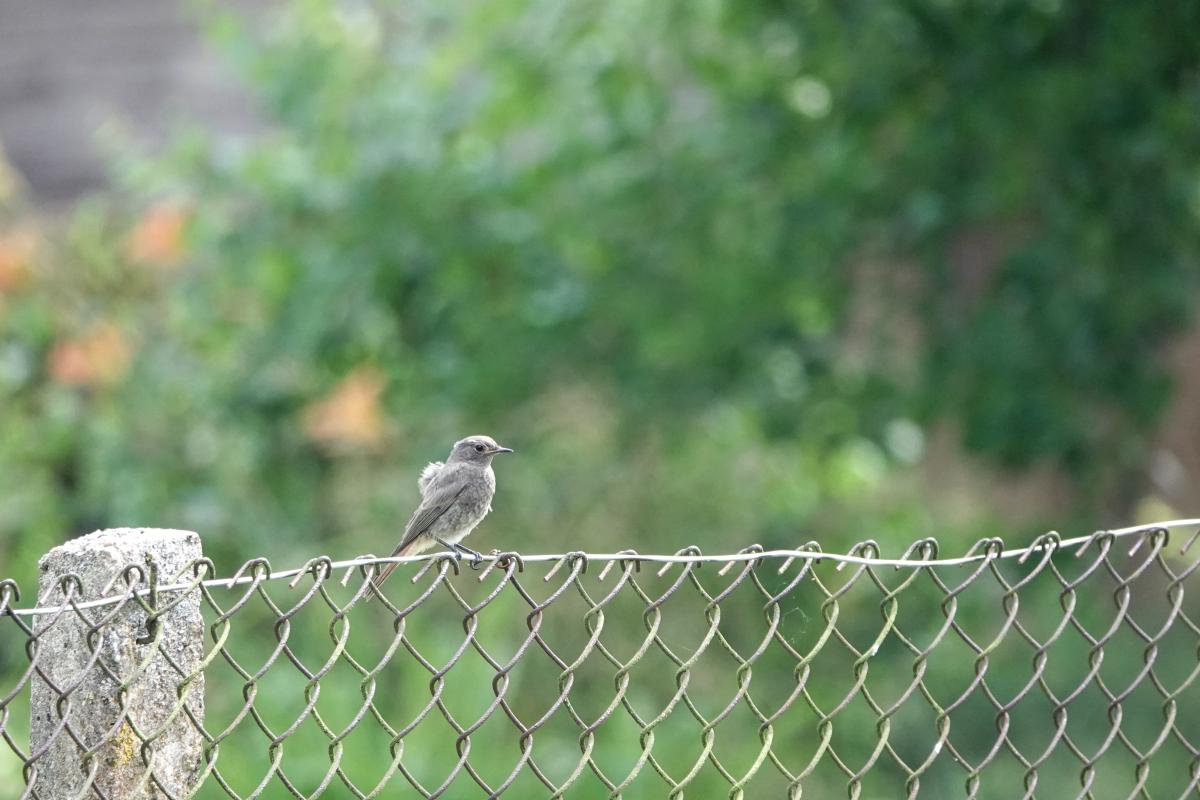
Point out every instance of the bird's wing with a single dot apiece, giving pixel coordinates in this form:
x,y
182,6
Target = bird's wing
x,y
428,474
436,499
436,504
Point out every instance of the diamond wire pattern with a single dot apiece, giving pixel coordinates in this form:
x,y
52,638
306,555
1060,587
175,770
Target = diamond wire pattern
x,y
775,677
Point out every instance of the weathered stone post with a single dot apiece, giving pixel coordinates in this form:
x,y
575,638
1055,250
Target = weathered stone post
x,y
84,664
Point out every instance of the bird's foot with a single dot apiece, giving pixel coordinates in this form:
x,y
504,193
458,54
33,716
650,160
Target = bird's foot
x,y
476,556
459,549
454,549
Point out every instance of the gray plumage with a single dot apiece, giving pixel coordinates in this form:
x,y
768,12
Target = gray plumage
x,y
455,497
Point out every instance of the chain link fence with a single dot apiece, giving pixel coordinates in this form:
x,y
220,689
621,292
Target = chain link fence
x,y
1064,669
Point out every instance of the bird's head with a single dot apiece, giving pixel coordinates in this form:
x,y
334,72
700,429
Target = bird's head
x,y
476,449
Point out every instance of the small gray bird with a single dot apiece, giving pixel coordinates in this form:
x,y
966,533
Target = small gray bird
x,y
455,497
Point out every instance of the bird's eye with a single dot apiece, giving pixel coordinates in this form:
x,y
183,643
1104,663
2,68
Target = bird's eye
x,y
478,448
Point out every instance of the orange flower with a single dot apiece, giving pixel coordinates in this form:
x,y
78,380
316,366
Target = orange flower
x,y
98,358
349,417
157,239
17,249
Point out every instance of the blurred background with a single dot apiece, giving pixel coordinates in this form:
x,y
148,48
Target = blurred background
x,y
721,273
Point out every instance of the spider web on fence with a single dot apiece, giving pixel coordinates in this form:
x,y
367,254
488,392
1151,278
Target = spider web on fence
x,y
1062,672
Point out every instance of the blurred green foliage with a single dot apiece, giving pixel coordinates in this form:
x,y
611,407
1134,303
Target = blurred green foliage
x,y
703,264
712,268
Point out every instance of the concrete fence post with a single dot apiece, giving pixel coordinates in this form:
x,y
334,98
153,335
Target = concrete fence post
x,y
108,716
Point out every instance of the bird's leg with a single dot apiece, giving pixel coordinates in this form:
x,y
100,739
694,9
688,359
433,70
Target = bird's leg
x,y
476,556
453,548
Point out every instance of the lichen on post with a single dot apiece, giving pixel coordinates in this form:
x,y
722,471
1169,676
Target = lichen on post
x,y
116,689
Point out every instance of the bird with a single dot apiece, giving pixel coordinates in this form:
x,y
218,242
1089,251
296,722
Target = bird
x,y
455,497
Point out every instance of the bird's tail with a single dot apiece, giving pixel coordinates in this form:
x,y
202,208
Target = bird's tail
x,y
388,569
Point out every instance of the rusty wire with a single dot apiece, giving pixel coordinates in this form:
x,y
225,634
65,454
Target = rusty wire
x,y
1062,669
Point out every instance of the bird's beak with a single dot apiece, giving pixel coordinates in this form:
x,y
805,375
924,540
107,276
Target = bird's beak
x,y
501,450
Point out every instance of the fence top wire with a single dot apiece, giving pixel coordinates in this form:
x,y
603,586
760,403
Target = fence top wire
x,y
258,570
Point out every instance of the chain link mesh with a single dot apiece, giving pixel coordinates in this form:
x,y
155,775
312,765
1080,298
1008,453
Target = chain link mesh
x,y
1065,672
